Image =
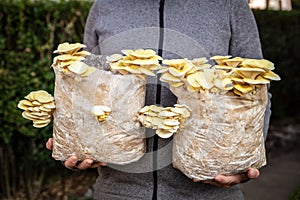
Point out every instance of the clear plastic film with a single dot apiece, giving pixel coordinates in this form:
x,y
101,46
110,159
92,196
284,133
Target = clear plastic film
x,y
224,134
120,138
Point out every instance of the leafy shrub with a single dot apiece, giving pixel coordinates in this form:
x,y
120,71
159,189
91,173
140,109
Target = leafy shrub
x,y
281,44
30,31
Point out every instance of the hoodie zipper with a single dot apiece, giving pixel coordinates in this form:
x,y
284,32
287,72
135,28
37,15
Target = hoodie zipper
x,y
158,96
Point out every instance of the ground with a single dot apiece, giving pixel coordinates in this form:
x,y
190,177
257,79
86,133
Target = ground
x,y
281,176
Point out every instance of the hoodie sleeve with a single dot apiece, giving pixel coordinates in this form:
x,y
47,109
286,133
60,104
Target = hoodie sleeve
x,y
245,41
90,37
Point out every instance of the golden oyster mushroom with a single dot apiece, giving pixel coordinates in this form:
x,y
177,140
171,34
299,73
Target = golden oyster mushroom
x,y
114,58
140,62
167,120
180,72
67,48
38,107
237,79
177,63
259,63
199,61
202,78
167,77
259,80
233,62
248,72
100,112
271,76
81,68
141,53
219,59
244,88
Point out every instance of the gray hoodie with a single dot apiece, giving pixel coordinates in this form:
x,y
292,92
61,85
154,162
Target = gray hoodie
x,y
175,28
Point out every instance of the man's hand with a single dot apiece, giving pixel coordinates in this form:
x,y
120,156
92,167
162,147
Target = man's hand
x,y
73,163
230,180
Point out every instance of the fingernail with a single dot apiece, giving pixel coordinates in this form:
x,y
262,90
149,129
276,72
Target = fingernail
x,y
89,162
219,179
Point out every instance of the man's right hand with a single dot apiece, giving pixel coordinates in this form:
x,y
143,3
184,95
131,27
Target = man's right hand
x,y
73,163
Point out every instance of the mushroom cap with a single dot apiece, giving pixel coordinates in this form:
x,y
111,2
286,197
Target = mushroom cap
x,y
97,110
141,53
237,79
234,62
180,72
155,108
175,62
219,59
145,62
259,63
68,48
167,77
89,71
78,67
199,61
178,84
226,67
146,71
272,76
205,78
248,72
114,58
81,53
258,80
163,133
244,88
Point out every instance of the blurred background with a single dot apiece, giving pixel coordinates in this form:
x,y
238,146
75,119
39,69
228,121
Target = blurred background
x,y
29,33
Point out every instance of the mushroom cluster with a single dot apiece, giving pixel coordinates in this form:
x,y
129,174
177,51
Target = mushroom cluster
x,y
38,106
230,74
139,62
166,120
70,59
251,73
101,112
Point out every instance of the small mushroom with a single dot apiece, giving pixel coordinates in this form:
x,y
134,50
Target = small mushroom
x,y
167,120
100,112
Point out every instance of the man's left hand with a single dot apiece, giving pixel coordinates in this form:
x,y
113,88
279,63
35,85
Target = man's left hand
x,y
230,180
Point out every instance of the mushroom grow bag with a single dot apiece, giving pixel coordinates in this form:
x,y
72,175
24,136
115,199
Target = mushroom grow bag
x,y
120,138
224,134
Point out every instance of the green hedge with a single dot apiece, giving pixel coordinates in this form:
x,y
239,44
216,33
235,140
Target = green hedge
x,y
31,30
280,37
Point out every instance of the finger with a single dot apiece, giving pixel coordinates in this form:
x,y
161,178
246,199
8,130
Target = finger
x,y
71,162
98,164
253,173
49,144
86,163
213,182
231,179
